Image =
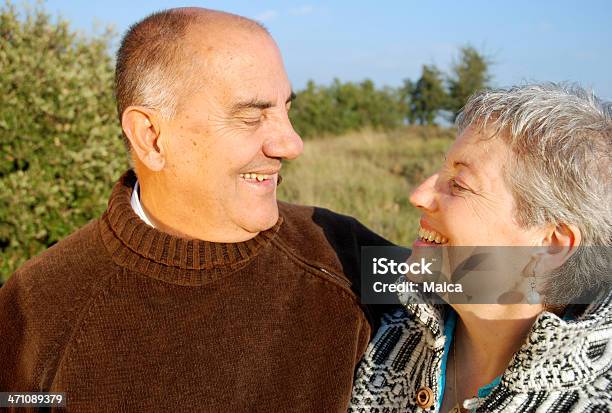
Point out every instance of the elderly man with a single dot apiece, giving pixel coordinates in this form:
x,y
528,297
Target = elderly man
x,y
196,290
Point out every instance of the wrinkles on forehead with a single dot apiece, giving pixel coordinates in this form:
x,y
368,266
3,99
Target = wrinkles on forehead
x,y
220,45
234,69
218,57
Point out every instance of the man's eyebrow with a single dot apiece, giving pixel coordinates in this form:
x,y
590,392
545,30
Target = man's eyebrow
x,y
250,104
257,104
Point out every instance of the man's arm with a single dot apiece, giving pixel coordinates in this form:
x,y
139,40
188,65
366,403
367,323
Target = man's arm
x,y
18,339
347,239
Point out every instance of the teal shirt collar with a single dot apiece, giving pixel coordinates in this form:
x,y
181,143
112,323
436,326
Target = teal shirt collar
x,y
449,332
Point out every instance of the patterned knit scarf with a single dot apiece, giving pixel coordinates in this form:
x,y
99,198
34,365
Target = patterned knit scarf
x,y
562,366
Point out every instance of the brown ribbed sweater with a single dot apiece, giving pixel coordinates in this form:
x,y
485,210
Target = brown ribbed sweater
x,y
123,317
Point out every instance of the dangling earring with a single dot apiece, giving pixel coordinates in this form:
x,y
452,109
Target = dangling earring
x,y
533,297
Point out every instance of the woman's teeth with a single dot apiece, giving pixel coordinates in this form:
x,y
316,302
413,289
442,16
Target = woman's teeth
x,y
432,236
258,177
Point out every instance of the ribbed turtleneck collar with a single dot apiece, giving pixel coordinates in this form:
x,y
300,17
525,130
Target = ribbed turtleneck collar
x,y
134,244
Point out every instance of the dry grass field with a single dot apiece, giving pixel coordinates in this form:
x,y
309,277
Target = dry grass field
x,y
368,175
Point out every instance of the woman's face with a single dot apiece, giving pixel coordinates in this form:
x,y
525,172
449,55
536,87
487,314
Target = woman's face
x,y
467,202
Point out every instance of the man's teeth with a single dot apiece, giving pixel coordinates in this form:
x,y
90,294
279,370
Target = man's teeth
x,y
259,177
432,236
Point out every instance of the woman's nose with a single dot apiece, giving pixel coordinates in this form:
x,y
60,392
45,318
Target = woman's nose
x,y
424,196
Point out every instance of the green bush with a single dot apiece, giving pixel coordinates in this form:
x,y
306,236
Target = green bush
x,y
60,142
344,107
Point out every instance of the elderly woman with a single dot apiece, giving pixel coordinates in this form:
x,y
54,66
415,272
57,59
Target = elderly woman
x,y
531,166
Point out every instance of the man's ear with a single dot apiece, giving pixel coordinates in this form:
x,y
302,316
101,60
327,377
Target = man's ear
x,y
560,243
142,128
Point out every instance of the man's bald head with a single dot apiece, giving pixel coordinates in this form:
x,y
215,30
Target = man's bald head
x,y
155,62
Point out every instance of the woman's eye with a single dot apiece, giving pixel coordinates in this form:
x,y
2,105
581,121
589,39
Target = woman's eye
x,y
456,186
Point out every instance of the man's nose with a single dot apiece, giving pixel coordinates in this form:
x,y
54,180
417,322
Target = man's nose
x,y
424,196
283,141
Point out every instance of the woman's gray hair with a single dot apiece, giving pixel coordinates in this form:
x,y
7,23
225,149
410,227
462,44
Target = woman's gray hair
x,y
561,140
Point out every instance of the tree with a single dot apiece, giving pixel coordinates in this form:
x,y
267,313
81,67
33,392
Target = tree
x,y
428,95
342,107
405,100
60,143
469,74
309,109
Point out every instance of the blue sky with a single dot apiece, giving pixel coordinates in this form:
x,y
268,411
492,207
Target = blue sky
x,y
388,41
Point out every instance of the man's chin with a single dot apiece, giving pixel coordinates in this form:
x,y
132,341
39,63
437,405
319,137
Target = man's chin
x,y
260,219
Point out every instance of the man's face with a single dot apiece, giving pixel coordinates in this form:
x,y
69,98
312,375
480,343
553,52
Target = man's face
x,y
227,140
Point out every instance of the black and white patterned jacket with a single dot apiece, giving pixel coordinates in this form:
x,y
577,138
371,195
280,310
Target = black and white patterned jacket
x,y
563,366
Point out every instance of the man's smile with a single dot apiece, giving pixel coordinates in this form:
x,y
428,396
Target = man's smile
x,y
257,176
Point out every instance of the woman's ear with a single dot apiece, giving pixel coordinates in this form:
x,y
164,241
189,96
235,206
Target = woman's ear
x,y
560,243
142,128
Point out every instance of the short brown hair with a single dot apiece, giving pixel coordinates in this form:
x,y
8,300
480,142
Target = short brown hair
x,y
153,63
149,53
